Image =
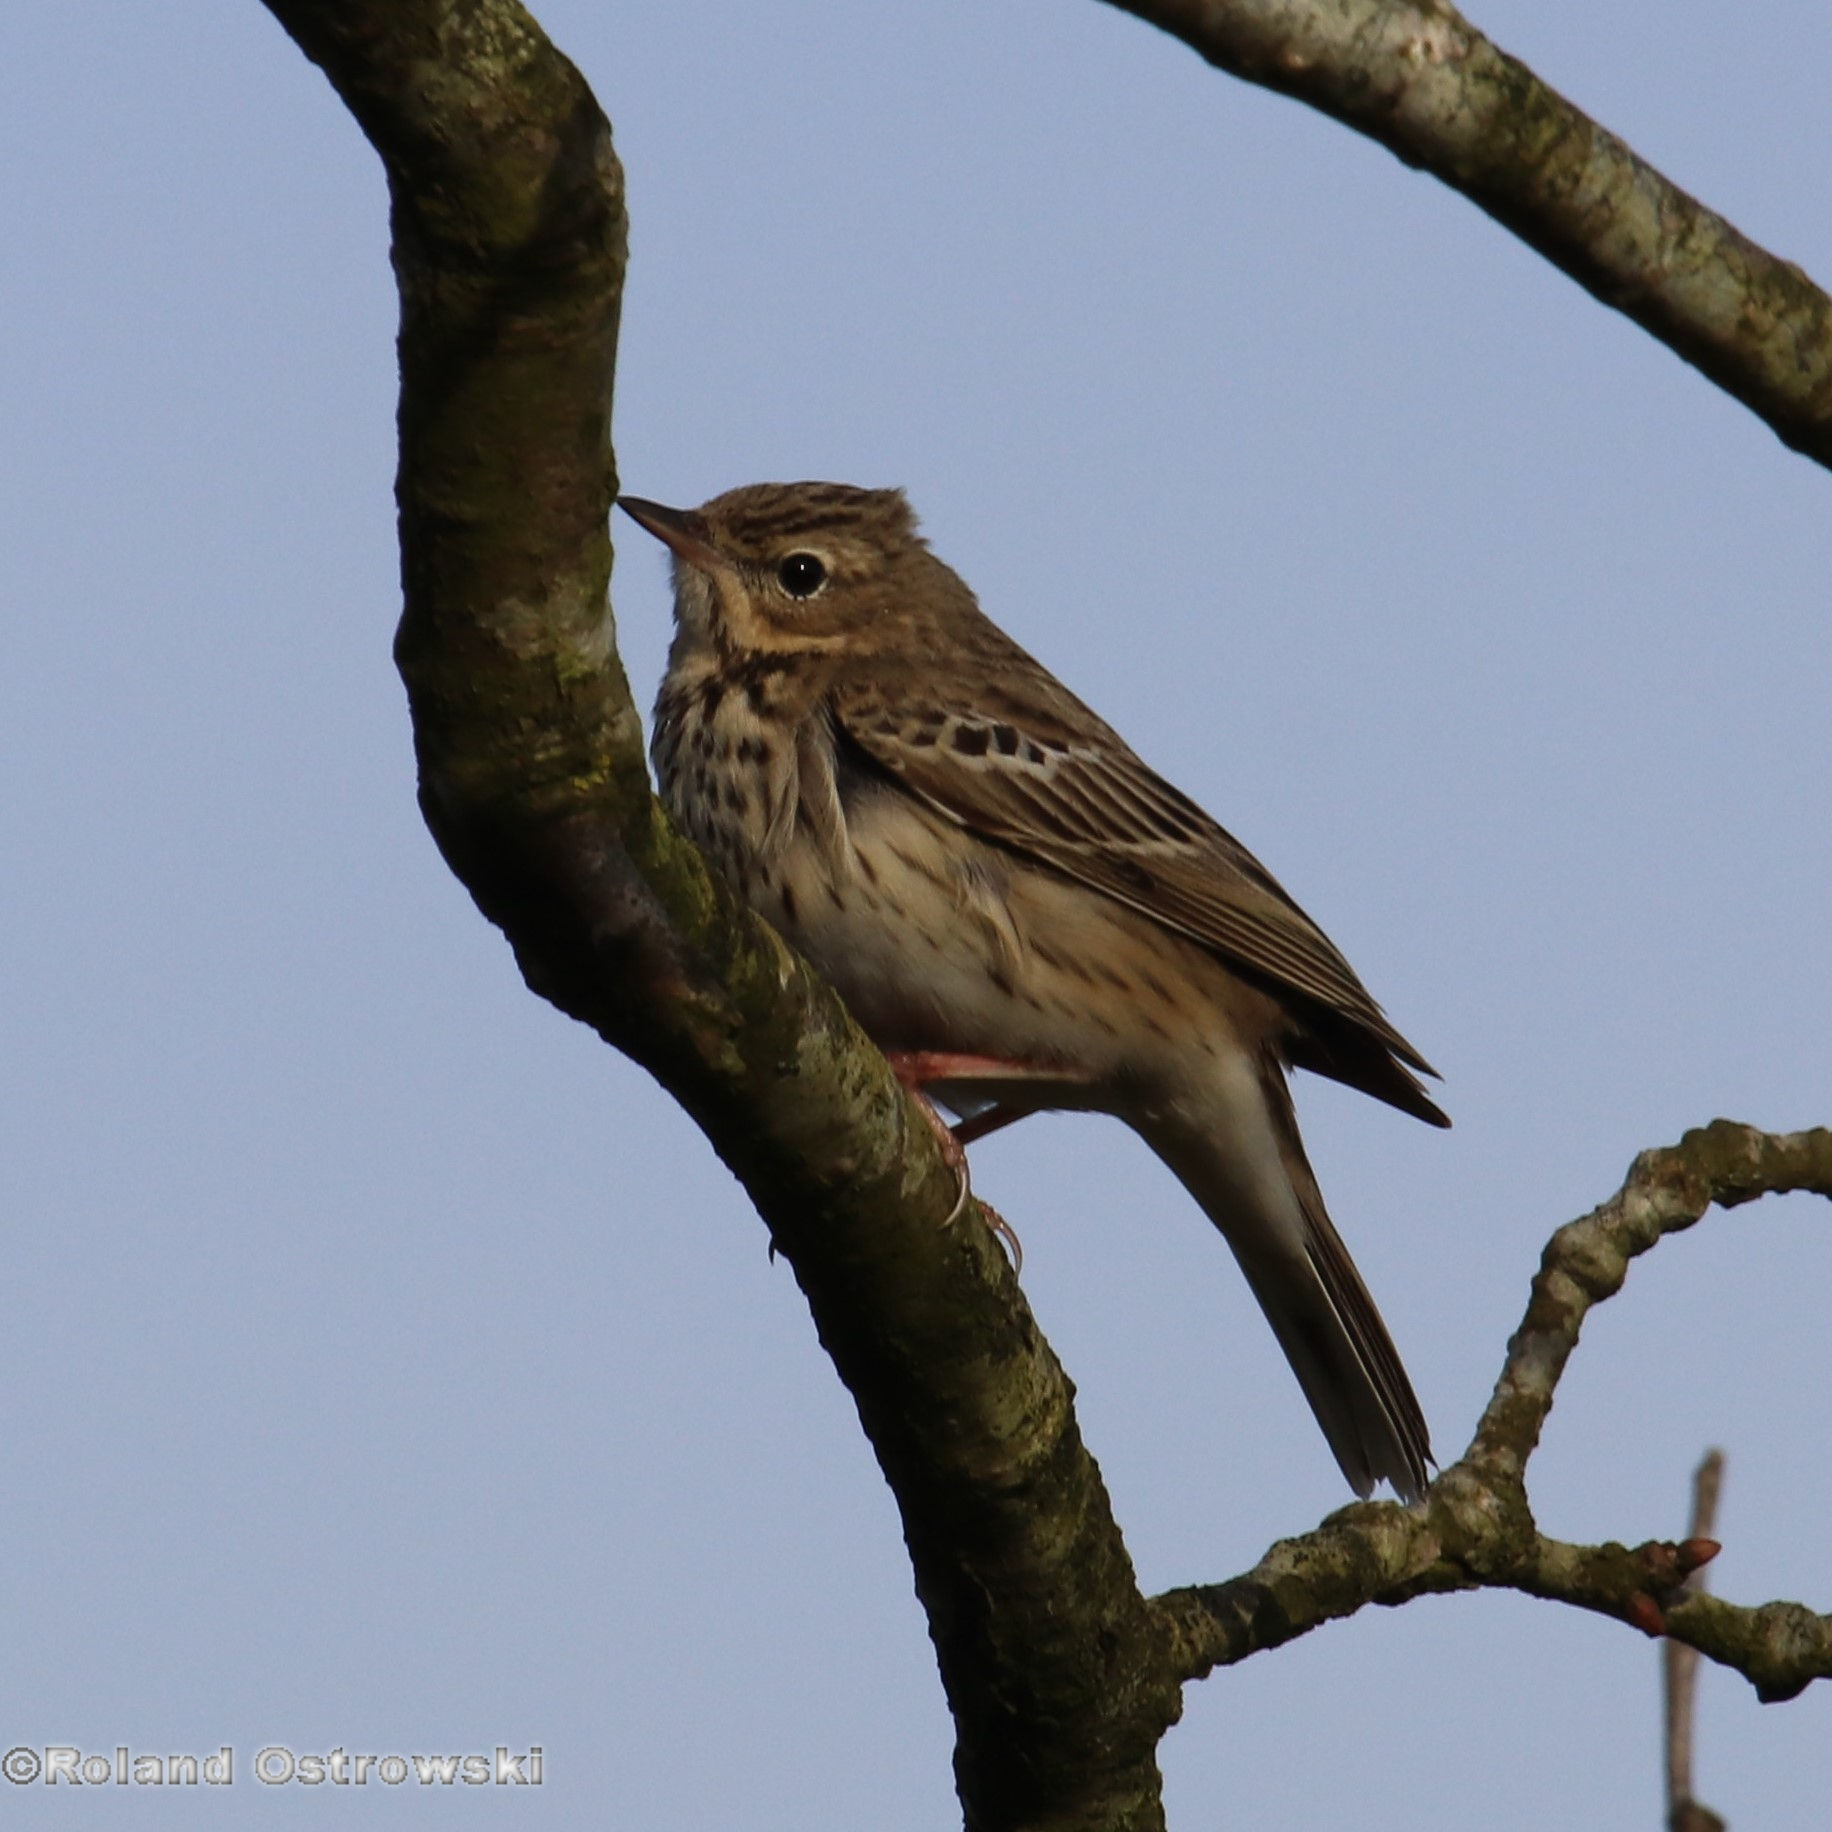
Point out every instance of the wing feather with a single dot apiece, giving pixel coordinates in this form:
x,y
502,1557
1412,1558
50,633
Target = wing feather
x,y
1030,768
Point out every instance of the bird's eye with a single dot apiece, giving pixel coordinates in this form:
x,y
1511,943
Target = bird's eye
x,y
801,574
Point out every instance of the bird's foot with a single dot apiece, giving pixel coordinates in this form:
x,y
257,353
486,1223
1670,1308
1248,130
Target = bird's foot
x,y
1006,1234
913,1068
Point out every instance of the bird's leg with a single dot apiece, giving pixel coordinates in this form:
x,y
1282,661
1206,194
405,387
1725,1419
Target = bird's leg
x,y
915,1067
980,1125
919,1069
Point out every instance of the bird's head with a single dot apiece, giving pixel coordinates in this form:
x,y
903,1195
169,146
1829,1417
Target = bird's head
x,y
798,567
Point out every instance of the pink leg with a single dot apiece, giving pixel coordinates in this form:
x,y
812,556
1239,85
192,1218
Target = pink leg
x,y
915,1068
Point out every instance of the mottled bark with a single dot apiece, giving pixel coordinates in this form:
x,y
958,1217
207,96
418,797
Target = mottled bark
x,y
507,205
1420,79
508,220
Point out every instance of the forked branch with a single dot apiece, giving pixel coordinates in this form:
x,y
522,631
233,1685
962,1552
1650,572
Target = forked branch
x,y
1475,1528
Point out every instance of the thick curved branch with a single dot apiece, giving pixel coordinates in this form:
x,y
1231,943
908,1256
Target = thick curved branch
x,y
507,207
1420,79
509,246
1475,1530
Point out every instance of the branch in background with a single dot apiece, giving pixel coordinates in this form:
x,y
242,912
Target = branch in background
x,y
1420,79
1679,1671
1475,1528
508,220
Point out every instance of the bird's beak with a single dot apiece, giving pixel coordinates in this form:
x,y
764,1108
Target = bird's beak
x,y
683,531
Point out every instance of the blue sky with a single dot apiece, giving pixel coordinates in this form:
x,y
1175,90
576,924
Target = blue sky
x,y
389,1366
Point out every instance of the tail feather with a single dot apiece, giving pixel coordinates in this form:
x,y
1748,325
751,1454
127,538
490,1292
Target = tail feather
x,y
1345,1361
1248,1170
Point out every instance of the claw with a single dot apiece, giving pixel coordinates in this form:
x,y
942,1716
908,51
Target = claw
x,y
1005,1233
963,1188
954,1155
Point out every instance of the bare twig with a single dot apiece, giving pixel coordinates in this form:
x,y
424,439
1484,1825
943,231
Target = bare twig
x,y
1475,1528
1679,1668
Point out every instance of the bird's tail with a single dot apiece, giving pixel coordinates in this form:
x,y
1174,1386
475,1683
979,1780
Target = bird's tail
x,y
1246,1166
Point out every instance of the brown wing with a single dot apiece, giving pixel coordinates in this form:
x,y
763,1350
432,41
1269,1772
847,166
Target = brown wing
x,y
1021,762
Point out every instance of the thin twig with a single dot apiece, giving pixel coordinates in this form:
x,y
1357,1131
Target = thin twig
x,y
1679,1667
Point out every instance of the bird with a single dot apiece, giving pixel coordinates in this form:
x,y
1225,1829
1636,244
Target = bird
x,y
1018,911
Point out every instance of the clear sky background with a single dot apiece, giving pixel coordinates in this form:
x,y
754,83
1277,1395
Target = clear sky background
x,y
388,1365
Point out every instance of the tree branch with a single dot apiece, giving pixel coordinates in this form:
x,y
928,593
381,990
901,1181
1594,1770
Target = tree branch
x,y
1475,1529
1420,79
508,220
